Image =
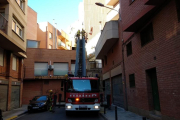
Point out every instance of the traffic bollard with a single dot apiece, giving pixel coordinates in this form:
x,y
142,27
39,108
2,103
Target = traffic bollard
x,y
143,118
116,113
1,115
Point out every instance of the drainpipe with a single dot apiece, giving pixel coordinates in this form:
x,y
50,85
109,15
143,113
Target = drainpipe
x,y
124,80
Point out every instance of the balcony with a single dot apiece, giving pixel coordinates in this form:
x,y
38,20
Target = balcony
x,y
6,41
4,1
68,47
113,15
109,36
3,24
61,45
111,2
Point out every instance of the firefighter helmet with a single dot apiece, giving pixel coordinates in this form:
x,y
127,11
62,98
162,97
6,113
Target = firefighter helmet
x,y
50,91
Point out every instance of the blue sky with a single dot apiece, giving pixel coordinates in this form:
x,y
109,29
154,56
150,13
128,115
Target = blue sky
x,y
65,12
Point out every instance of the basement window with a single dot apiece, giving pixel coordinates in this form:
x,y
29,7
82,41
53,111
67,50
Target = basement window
x,y
178,9
131,81
129,48
147,35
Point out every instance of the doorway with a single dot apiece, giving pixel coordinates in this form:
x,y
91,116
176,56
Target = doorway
x,y
151,77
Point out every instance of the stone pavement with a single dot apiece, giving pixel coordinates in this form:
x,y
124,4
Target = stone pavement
x,y
121,114
9,115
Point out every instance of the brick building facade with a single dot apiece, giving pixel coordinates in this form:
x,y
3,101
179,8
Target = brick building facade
x,y
148,52
151,57
13,20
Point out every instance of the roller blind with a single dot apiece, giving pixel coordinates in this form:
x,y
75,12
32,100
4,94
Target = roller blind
x,y
40,69
60,69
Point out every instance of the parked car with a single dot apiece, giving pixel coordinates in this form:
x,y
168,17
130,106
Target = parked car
x,y
39,103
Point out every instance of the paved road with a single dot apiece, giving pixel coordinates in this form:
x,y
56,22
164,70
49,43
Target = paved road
x,y
59,114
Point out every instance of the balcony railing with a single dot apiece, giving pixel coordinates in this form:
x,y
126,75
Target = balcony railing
x,y
68,47
3,24
94,65
61,44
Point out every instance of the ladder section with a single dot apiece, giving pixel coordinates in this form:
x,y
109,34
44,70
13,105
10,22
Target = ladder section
x,y
80,67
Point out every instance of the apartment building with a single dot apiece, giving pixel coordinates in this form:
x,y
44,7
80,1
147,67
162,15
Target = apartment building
x,y
13,22
151,57
108,49
50,58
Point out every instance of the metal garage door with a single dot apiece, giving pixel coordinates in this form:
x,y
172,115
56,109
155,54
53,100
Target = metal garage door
x,y
107,88
15,97
3,97
118,98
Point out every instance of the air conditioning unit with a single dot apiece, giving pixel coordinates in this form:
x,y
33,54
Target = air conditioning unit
x,y
50,67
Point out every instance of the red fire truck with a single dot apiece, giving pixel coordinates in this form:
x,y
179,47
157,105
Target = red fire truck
x,y
82,93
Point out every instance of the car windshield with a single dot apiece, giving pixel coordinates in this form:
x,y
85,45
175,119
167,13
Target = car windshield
x,y
40,98
82,86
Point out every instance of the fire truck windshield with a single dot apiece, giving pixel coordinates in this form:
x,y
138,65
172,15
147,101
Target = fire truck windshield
x,y
82,86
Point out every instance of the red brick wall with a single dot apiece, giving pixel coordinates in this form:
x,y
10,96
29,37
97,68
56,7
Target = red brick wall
x,y
37,87
165,47
32,24
46,55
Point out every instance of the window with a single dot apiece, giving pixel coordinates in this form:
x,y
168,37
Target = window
x,y
50,35
14,63
20,3
131,80
32,44
178,9
60,69
40,69
1,57
129,48
147,35
17,28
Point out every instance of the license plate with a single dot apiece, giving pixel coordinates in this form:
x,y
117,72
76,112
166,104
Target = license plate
x,y
82,106
35,107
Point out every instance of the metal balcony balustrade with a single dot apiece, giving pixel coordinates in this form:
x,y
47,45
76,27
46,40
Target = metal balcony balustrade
x,y
94,65
3,24
61,44
68,47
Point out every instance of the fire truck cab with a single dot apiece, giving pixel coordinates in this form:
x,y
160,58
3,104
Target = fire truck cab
x,y
82,94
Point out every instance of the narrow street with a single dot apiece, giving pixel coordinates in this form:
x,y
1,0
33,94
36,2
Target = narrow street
x,y
59,114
